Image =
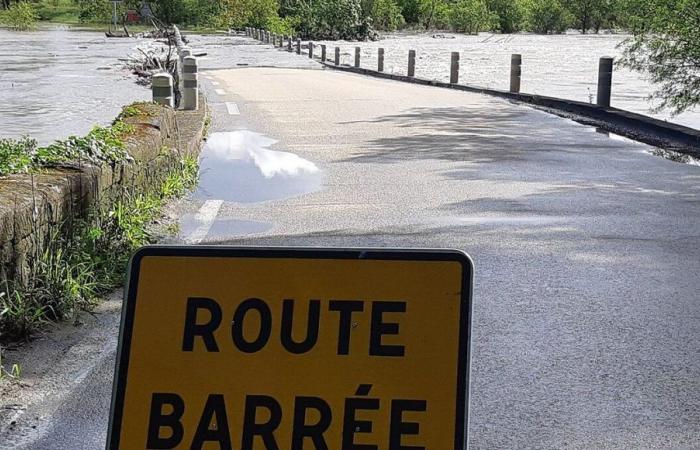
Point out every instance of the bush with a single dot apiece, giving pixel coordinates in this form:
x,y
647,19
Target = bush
x,y
435,14
386,15
20,16
16,155
94,11
509,14
469,16
546,16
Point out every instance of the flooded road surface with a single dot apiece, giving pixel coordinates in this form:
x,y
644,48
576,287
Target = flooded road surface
x,y
55,82
237,166
564,66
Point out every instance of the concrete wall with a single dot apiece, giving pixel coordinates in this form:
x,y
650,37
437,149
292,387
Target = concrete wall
x,y
32,207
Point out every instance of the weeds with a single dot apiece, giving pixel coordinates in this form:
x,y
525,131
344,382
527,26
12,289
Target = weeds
x,y
15,372
101,145
79,266
16,155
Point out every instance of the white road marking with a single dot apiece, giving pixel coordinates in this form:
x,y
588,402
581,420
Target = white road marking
x,y
232,109
205,216
220,92
214,83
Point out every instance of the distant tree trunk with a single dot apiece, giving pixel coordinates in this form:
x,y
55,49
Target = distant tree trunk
x,y
430,16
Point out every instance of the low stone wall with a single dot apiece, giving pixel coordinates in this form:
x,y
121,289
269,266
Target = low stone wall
x,y
625,123
35,206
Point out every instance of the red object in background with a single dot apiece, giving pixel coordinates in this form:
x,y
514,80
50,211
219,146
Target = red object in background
x,y
132,16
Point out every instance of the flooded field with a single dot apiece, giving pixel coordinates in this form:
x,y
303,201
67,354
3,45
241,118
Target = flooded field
x,y
564,66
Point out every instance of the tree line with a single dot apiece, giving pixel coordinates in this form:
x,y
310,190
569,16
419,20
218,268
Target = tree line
x,y
357,18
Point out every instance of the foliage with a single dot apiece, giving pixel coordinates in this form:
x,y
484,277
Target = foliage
x,y
469,16
16,155
20,16
57,9
434,14
101,145
332,19
385,14
509,14
94,11
410,10
666,46
588,14
546,16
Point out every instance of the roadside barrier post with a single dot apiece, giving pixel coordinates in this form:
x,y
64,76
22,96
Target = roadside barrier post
x,y
516,62
411,63
162,88
281,41
289,43
454,68
185,52
190,91
605,71
337,56
311,50
298,46
323,52
357,57
380,60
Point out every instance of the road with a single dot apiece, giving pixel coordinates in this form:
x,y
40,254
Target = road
x,y
586,311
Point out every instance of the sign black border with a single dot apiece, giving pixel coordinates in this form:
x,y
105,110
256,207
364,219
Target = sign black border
x,y
390,254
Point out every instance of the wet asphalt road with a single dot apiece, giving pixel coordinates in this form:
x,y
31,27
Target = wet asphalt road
x,y
586,305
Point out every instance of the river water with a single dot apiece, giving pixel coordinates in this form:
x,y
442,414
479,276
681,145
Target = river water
x,y
57,82
564,66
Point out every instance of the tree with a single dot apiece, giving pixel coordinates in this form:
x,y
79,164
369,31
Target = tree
x,y
20,16
509,14
469,16
665,45
590,13
410,10
546,16
434,14
385,14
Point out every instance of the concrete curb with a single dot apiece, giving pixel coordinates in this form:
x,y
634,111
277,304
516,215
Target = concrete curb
x,y
635,126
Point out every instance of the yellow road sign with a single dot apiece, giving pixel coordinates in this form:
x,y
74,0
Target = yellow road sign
x,y
293,349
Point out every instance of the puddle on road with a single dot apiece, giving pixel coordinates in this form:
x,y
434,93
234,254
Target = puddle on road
x,y
239,167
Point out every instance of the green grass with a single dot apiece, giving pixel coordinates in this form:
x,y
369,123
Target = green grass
x,y
101,145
